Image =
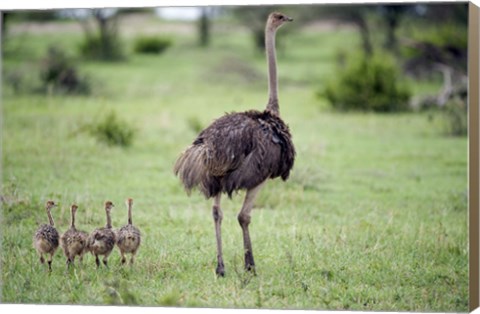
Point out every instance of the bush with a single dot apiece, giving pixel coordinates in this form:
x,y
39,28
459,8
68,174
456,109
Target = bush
x,y
15,79
59,75
368,84
112,131
195,124
448,36
440,44
34,15
151,44
107,49
456,118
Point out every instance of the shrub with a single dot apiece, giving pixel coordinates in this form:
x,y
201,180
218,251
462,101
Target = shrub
x,y
58,74
456,118
195,124
151,44
106,49
15,79
368,84
112,131
447,36
34,15
432,45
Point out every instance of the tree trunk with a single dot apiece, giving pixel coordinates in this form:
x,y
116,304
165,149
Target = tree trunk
x,y
104,36
365,35
3,18
391,42
204,27
259,39
392,17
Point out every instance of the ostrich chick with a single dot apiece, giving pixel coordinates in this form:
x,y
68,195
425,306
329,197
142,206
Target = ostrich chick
x,y
129,237
73,241
102,240
45,240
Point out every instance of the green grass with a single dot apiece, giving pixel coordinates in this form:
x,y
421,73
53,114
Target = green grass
x,y
374,216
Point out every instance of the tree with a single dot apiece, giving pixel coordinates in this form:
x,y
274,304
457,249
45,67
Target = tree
x,y
392,16
101,40
204,27
356,15
3,18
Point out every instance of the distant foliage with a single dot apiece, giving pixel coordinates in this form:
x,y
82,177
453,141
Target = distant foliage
x,y
15,79
456,118
112,131
151,44
442,44
448,36
368,84
34,15
195,124
96,47
102,39
59,75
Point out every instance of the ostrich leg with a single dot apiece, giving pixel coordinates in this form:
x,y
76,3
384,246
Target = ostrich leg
x,y
97,261
217,219
50,261
244,220
105,259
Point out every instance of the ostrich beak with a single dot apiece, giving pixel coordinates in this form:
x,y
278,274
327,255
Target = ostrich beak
x,y
289,19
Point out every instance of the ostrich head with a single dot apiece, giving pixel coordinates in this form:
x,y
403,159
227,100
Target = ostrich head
x,y
276,19
129,202
50,205
74,208
108,206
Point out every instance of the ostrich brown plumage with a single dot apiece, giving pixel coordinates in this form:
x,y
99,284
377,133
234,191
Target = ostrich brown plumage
x,y
73,241
45,240
128,237
240,151
102,240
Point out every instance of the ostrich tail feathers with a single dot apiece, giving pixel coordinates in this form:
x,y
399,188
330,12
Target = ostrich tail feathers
x,y
190,167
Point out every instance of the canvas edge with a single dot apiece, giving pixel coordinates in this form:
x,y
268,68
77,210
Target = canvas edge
x,y
473,94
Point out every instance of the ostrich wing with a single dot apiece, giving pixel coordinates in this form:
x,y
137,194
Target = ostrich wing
x,y
228,142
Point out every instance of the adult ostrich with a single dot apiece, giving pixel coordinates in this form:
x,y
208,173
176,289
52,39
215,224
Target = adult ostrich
x,y
241,151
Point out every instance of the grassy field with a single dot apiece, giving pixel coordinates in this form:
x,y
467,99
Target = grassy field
x,y
374,216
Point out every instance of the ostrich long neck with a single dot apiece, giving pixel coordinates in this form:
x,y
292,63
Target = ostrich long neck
x,y
50,218
72,224
109,220
129,213
272,105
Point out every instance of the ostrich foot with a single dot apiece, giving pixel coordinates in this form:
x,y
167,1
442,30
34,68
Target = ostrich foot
x,y
220,270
